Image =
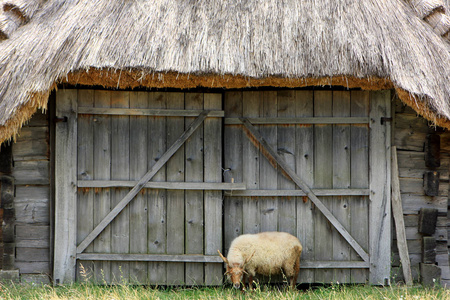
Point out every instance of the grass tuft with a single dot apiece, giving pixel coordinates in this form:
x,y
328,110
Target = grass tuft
x,y
91,291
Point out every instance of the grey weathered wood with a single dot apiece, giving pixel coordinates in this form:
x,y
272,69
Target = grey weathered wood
x,y
299,120
429,250
333,265
287,206
31,193
233,164
173,185
359,152
213,150
199,258
28,149
307,190
138,167
65,188
323,178
118,208
30,232
268,176
147,112
304,164
31,213
251,157
31,172
85,170
156,198
341,179
120,170
194,209
380,181
397,212
295,193
32,254
175,198
102,197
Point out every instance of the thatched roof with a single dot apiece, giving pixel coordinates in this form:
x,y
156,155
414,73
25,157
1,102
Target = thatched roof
x,y
237,43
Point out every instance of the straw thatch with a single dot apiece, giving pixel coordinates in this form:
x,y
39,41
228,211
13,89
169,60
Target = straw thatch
x,y
237,43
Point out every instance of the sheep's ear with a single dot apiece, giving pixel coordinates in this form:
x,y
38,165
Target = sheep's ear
x,y
223,257
248,258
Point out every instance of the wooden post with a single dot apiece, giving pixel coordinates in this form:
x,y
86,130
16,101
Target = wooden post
x,y
397,211
65,187
380,189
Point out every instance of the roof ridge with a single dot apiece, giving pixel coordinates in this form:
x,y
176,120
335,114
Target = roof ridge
x,y
15,13
434,13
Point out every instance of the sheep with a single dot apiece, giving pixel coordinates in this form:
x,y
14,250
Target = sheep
x,y
265,253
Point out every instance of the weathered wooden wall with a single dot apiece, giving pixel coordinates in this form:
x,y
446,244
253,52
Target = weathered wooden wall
x,y
410,134
31,157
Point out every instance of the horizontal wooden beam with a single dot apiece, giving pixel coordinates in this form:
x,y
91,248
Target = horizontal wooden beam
x,y
147,112
150,257
163,185
198,258
297,193
305,120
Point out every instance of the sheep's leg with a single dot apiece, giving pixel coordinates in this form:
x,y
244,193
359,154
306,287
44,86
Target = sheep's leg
x,y
296,271
250,282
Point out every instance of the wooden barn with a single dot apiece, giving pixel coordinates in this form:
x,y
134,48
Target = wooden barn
x,y
140,137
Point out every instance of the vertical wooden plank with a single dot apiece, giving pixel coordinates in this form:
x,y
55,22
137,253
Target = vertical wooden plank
x,y
85,205
233,167
213,199
286,149
157,202
341,180
304,163
380,188
323,178
251,206
175,198
359,161
397,211
138,168
268,176
194,199
65,187
120,170
102,171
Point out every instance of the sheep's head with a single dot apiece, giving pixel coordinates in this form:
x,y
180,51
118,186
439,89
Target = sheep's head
x,y
235,271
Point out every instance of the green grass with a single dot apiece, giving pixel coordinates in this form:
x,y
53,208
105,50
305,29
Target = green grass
x,y
89,291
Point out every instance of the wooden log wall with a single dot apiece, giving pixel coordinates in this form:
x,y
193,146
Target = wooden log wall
x,y
31,158
410,134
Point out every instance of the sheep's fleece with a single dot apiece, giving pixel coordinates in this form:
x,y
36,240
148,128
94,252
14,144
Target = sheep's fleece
x,y
272,251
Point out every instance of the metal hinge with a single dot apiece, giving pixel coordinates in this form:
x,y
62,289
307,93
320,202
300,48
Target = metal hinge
x,y
385,119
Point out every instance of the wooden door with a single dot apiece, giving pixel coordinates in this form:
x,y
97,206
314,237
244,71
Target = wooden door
x,y
138,187
316,164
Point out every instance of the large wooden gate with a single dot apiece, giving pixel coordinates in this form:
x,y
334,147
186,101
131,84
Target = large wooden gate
x,y
139,180
316,165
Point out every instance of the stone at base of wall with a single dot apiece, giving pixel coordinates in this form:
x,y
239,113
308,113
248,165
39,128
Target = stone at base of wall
x,y
8,276
37,279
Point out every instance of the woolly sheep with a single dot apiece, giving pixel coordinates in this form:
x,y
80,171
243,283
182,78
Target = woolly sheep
x,y
265,253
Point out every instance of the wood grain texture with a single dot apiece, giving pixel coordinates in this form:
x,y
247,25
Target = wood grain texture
x,y
380,180
65,179
359,152
138,167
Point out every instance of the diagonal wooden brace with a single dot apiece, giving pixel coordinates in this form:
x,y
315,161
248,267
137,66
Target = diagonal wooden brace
x,y
144,180
309,193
